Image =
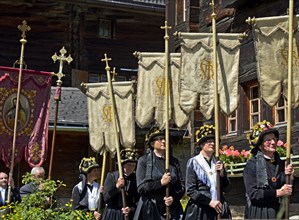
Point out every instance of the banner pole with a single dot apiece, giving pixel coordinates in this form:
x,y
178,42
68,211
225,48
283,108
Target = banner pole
x,y
216,100
102,179
23,28
166,76
57,98
114,115
289,106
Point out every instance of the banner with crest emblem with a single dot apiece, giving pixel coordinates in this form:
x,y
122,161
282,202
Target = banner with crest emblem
x,y
271,46
101,129
197,77
150,101
32,128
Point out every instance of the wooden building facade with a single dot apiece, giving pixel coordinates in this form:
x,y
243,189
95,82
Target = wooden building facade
x,y
87,30
195,16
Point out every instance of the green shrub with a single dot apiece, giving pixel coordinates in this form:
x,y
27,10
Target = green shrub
x,y
41,205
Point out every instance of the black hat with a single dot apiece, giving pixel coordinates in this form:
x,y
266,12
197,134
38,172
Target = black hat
x,y
259,130
153,132
87,164
129,155
204,133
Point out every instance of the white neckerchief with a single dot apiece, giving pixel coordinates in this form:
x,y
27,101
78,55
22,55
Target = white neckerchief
x,y
93,196
207,174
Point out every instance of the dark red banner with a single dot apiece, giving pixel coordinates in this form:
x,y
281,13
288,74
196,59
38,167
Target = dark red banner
x,y
33,116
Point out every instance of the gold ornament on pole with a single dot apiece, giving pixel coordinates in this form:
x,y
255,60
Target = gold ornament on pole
x,y
113,74
61,58
23,28
107,68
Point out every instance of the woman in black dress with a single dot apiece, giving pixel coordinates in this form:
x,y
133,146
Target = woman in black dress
x,y
201,180
85,194
264,174
113,184
152,181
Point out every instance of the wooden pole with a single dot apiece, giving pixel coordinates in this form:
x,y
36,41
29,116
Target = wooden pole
x,y
102,179
57,98
289,109
216,100
24,27
166,76
114,115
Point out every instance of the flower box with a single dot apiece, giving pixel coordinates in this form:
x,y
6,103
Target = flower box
x,y
236,169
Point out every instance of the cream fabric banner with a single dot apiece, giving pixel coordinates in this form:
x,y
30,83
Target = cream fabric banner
x,y
150,103
271,44
197,76
100,115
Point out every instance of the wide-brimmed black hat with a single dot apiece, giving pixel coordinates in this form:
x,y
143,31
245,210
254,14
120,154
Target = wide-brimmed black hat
x,y
259,130
129,155
204,133
153,132
87,164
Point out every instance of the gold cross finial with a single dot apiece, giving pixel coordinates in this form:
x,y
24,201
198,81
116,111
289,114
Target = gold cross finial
x,y
166,27
62,58
107,68
113,74
24,27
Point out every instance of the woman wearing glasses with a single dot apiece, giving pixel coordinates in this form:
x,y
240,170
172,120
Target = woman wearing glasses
x,y
152,180
201,180
264,174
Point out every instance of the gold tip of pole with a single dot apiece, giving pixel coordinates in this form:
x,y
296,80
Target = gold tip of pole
x,y
136,53
243,36
250,20
83,85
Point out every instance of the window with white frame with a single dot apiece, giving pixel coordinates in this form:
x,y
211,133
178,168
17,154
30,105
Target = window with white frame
x,y
232,123
280,110
254,105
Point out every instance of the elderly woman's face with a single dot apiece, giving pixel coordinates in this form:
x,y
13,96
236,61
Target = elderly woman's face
x,y
269,143
158,143
129,167
208,146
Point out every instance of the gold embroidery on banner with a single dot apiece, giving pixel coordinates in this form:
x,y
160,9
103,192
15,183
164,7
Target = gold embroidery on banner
x,y
107,113
35,153
9,152
160,86
206,68
7,112
284,54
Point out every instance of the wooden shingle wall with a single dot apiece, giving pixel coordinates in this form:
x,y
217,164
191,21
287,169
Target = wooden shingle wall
x,y
75,25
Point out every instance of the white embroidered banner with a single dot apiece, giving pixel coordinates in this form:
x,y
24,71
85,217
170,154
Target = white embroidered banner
x,y
100,115
271,44
150,103
197,76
